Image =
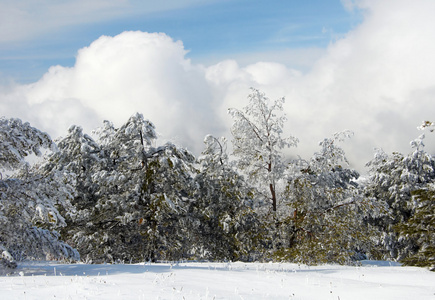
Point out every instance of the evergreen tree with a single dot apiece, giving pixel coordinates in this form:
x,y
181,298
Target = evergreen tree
x,y
325,220
131,196
30,203
393,179
420,229
226,223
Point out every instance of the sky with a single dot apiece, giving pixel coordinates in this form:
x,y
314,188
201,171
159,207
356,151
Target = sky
x,y
360,65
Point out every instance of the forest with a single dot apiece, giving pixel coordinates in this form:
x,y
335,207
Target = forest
x,y
113,195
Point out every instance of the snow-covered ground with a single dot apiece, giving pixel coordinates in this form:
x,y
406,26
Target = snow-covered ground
x,y
372,280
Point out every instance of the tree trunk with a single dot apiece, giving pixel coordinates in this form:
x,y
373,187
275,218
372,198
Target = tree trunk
x,y
272,187
272,192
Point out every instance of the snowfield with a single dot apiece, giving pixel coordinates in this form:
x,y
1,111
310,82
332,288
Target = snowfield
x,y
372,280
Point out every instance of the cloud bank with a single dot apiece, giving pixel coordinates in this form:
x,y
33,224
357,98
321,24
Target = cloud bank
x,y
377,81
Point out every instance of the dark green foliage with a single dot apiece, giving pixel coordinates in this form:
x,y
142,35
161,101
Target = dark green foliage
x,y
326,214
131,197
420,229
225,223
393,179
326,223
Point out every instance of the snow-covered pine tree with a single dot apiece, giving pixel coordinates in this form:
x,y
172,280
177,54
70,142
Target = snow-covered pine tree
x,y
130,195
420,229
30,202
325,220
167,193
225,221
393,179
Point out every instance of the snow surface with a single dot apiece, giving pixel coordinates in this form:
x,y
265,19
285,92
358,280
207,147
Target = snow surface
x,y
372,280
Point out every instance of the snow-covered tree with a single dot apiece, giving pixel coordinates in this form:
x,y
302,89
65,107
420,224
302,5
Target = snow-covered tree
x,y
168,195
420,229
418,232
258,143
326,213
393,179
131,196
30,202
225,221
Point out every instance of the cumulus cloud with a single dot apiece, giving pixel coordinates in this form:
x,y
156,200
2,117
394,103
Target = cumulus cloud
x,y
115,77
377,81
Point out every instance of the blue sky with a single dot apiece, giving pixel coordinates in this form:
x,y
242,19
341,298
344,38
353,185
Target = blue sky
x,y
210,30
360,65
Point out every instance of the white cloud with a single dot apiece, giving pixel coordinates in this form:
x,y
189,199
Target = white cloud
x,y
376,81
115,77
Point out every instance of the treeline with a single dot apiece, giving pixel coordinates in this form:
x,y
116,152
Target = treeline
x,y
114,196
